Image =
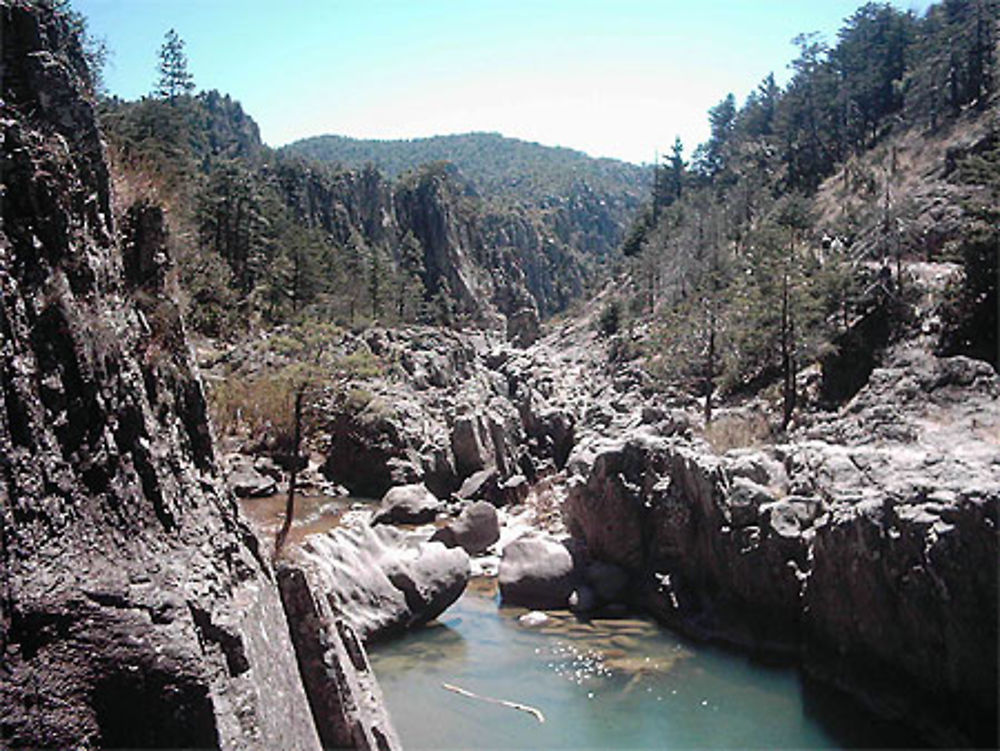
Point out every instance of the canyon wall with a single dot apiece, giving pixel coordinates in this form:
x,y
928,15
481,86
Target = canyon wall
x,y
136,609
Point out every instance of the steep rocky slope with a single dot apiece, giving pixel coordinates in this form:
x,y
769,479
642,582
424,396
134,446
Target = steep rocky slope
x,y
351,243
136,609
486,262
866,545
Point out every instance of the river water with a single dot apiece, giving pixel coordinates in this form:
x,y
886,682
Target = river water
x,y
607,684
313,514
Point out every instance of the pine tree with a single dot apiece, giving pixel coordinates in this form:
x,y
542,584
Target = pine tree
x,y
175,79
410,285
711,157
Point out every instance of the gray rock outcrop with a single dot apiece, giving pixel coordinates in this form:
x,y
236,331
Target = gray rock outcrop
x,y
242,476
440,415
868,546
476,528
407,504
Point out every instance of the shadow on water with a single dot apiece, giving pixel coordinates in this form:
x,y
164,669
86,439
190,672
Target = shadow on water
x,y
852,725
439,645
842,717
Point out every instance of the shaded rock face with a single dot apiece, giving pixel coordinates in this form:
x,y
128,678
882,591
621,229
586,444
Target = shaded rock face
x,y
923,616
136,608
846,370
343,693
868,546
523,327
454,253
381,580
712,557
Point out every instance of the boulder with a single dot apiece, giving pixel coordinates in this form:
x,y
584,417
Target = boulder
x,y
468,446
609,582
407,504
246,481
553,429
533,619
431,578
475,529
658,504
373,444
523,327
382,580
536,571
481,485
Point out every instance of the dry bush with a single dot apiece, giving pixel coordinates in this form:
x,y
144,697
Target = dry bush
x,y
732,431
262,409
133,182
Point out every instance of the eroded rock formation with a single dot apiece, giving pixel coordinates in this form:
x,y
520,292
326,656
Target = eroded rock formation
x,y
381,580
136,609
869,546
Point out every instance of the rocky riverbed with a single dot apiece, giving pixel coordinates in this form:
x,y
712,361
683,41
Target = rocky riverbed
x,y
862,543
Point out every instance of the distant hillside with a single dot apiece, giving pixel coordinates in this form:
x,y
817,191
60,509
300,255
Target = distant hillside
x,y
273,236
496,166
560,212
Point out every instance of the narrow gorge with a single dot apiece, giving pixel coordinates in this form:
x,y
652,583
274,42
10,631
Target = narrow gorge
x,y
528,467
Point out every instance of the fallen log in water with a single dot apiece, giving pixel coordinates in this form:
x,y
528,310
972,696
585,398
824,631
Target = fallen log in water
x,y
536,713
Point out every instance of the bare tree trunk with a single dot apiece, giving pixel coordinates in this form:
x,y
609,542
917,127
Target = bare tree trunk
x,y
788,378
793,368
710,366
286,525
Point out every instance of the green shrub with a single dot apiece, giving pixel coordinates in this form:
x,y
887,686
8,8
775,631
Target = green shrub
x,y
609,322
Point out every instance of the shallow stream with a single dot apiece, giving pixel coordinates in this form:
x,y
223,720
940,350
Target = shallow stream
x,y
314,514
607,684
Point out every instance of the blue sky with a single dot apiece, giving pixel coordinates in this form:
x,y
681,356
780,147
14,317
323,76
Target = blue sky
x,y
613,78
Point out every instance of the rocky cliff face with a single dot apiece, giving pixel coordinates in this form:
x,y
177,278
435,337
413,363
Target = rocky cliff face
x,y
135,607
455,260
868,545
487,261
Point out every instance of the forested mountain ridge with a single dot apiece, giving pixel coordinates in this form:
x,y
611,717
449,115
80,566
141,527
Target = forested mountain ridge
x,y
575,207
300,237
496,165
